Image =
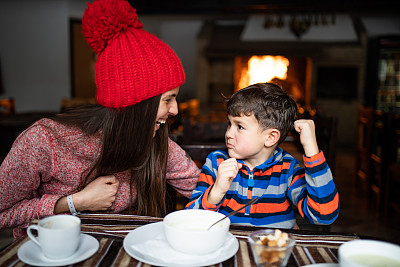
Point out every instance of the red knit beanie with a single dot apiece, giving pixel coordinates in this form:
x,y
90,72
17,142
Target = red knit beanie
x,y
132,64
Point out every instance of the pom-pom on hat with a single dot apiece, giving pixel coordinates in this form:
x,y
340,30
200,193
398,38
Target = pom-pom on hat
x,y
132,64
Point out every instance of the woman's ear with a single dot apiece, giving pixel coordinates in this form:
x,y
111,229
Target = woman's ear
x,y
272,137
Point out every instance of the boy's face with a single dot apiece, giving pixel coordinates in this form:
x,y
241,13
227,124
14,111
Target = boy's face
x,y
245,139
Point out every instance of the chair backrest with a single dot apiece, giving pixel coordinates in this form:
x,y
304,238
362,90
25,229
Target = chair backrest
x,y
365,120
365,123
199,153
326,133
393,141
203,132
7,106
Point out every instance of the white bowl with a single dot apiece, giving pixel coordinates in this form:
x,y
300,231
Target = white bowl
x,y
361,253
186,231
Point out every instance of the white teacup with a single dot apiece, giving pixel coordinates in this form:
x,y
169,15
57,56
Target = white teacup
x,y
359,253
58,236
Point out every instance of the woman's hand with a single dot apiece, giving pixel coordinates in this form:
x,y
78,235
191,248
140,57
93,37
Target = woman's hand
x,y
97,195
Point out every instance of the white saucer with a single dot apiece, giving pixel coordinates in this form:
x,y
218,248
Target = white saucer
x,y
31,254
145,242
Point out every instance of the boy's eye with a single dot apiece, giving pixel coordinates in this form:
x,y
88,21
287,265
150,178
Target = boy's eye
x,y
240,127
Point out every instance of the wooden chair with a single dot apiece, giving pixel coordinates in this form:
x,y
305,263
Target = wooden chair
x,y
198,153
203,132
392,200
391,206
379,157
7,106
326,133
365,119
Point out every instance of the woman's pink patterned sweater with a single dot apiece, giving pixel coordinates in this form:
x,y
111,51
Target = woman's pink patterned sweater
x,y
46,163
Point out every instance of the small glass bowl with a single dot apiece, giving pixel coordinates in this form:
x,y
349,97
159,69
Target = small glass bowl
x,y
270,256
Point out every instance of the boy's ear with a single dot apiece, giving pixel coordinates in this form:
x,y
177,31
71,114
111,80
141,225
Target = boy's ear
x,y
272,138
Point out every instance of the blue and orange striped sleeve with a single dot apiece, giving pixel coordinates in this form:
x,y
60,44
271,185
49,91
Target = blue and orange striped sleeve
x,y
313,190
198,199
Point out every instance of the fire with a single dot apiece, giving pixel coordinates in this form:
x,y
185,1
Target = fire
x,y
263,69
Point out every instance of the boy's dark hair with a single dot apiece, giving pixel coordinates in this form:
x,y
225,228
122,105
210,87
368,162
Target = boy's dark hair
x,y
271,106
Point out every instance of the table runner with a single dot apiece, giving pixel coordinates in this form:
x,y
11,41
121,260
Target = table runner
x,y
110,230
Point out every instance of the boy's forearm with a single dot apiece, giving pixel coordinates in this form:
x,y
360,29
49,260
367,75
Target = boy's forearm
x,y
214,197
311,149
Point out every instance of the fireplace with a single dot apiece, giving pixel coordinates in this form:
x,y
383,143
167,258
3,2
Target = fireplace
x,y
289,72
223,56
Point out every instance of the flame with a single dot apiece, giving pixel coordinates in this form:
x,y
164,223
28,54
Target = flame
x,y
263,69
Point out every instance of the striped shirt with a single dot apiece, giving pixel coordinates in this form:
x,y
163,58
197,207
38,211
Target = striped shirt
x,y
280,183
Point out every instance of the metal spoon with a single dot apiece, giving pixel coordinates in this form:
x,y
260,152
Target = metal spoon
x,y
254,200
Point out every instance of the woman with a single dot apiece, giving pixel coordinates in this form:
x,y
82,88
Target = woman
x,y
115,156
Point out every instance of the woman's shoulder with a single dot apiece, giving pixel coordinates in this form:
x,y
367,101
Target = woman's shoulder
x,y
46,123
172,146
41,127
38,134
50,126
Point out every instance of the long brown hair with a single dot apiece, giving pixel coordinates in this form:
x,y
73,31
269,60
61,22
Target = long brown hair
x,y
128,144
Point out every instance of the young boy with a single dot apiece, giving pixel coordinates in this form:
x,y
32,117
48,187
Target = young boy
x,y
259,119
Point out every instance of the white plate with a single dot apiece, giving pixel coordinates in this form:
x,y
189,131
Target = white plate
x,y
31,254
145,242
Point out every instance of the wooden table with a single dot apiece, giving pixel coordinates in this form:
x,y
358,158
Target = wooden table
x,y
110,230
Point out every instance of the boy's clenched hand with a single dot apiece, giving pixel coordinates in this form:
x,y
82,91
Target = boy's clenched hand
x,y
227,171
308,140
